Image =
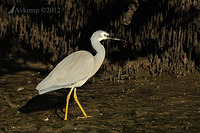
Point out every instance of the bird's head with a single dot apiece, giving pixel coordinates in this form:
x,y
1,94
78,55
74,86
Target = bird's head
x,y
102,35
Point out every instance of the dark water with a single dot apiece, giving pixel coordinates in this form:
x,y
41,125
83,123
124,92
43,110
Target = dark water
x,y
159,104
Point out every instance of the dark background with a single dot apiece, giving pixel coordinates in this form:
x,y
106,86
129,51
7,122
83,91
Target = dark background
x,y
161,57
162,36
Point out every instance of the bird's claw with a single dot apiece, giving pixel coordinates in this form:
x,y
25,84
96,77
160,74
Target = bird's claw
x,y
83,117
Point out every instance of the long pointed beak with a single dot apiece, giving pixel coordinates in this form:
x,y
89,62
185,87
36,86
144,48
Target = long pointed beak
x,y
114,38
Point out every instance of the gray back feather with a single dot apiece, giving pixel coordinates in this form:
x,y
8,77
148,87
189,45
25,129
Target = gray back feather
x,y
72,71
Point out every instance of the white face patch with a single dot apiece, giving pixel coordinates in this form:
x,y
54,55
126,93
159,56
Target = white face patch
x,y
100,35
104,35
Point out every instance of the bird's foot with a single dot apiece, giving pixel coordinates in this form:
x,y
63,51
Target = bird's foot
x,y
83,117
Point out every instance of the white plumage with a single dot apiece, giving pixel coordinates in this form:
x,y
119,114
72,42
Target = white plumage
x,y
74,70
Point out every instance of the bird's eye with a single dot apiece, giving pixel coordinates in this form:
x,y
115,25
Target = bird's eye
x,y
105,35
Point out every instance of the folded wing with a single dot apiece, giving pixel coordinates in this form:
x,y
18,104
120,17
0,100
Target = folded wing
x,y
72,71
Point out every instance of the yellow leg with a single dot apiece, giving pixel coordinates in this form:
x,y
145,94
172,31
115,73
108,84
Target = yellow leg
x,y
76,99
68,97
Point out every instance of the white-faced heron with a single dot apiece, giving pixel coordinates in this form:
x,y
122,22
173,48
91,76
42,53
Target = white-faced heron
x,y
74,70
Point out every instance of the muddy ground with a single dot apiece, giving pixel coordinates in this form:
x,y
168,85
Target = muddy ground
x,y
158,104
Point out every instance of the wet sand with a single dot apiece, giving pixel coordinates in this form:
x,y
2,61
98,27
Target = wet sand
x,y
157,104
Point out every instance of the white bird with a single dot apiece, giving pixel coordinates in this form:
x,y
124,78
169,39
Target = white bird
x,y
74,70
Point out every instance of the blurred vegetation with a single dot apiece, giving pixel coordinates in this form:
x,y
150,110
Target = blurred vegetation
x,y
162,36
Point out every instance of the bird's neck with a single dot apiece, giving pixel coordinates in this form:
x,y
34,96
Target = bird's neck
x,y
100,55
